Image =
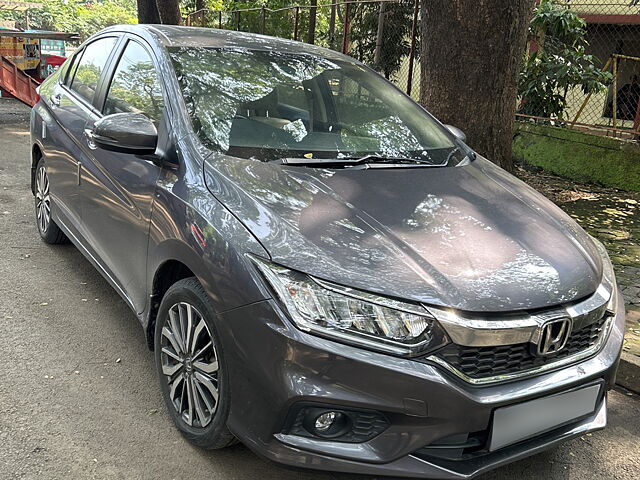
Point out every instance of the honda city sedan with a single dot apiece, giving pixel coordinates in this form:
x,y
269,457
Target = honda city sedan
x,y
324,271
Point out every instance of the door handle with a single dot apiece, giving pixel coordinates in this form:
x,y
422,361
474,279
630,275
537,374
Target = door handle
x,y
88,135
55,100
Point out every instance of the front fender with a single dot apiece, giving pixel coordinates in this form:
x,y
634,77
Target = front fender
x,y
201,234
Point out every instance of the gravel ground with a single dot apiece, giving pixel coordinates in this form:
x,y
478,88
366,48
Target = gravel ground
x,y
78,393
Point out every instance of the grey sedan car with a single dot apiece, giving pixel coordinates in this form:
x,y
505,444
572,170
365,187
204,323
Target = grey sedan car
x,y
324,271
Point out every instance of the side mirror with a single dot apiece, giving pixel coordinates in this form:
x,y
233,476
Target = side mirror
x,y
459,134
126,133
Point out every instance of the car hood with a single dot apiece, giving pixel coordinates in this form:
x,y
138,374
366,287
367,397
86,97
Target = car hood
x,y
473,238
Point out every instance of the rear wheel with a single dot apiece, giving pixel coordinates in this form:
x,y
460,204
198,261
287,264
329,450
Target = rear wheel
x,y
190,364
47,228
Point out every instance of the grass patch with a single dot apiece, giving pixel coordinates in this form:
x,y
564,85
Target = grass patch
x,y
578,156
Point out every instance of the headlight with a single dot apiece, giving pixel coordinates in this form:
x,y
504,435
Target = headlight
x,y
352,316
608,275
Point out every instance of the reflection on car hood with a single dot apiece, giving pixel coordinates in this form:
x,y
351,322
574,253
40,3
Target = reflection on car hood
x,y
473,238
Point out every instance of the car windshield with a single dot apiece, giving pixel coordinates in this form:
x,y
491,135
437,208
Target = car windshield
x,y
271,105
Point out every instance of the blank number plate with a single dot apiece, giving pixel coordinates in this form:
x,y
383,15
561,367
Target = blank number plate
x,y
525,420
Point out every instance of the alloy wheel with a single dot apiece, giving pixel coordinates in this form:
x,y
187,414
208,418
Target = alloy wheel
x,y
43,200
190,364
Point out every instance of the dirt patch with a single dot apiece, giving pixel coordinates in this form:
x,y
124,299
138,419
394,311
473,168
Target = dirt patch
x,y
13,111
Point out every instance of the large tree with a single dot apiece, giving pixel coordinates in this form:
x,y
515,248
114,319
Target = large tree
x,y
159,11
148,11
169,11
471,52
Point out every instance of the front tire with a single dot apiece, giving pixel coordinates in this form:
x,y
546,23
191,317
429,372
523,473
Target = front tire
x,y
47,228
191,367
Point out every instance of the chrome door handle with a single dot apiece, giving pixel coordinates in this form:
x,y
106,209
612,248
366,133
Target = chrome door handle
x,y
55,100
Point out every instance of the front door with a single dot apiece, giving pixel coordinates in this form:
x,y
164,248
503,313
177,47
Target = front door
x,y
117,189
71,102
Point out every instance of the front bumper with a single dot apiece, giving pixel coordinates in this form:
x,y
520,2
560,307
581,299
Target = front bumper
x,y
273,366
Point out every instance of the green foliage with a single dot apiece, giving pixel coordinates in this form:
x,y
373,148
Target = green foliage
x,y
395,41
189,6
364,25
90,17
279,24
560,63
83,18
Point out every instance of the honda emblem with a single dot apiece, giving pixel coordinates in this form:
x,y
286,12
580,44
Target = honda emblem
x,y
553,336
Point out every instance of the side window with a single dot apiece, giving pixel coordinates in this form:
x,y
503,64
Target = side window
x,y
70,69
94,58
135,86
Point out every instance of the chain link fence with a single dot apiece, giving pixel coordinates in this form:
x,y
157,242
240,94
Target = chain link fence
x,y
613,36
592,84
592,74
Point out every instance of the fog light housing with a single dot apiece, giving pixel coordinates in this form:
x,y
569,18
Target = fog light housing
x,y
334,422
326,423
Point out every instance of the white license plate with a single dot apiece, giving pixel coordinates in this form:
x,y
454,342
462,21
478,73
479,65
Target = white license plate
x,y
525,420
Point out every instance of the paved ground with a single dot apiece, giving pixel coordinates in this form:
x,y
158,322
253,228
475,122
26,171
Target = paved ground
x,y
78,393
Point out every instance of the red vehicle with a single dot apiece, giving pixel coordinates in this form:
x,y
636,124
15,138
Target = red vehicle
x,y
22,72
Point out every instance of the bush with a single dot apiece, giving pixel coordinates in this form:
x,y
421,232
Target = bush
x,y
559,64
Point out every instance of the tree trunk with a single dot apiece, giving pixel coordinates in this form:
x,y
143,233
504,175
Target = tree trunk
x,y
471,52
199,5
313,13
148,12
169,11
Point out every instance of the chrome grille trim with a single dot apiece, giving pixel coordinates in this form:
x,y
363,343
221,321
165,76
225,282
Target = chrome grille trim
x,y
504,329
583,355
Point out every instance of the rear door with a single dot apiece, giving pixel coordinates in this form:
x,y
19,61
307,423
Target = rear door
x,y
72,105
117,189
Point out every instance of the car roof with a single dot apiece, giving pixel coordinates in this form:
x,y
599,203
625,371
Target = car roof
x,y
181,36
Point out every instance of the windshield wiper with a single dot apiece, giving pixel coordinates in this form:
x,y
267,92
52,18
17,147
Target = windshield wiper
x,y
351,161
373,158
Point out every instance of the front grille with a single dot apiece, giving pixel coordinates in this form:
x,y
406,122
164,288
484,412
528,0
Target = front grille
x,y
483,362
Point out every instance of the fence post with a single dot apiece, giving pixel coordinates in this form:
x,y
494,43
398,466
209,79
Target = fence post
x,y
412,51
636,119
377,53
332,27
264,14
238,21
295,24
615,90
313,13
220,19
345,33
